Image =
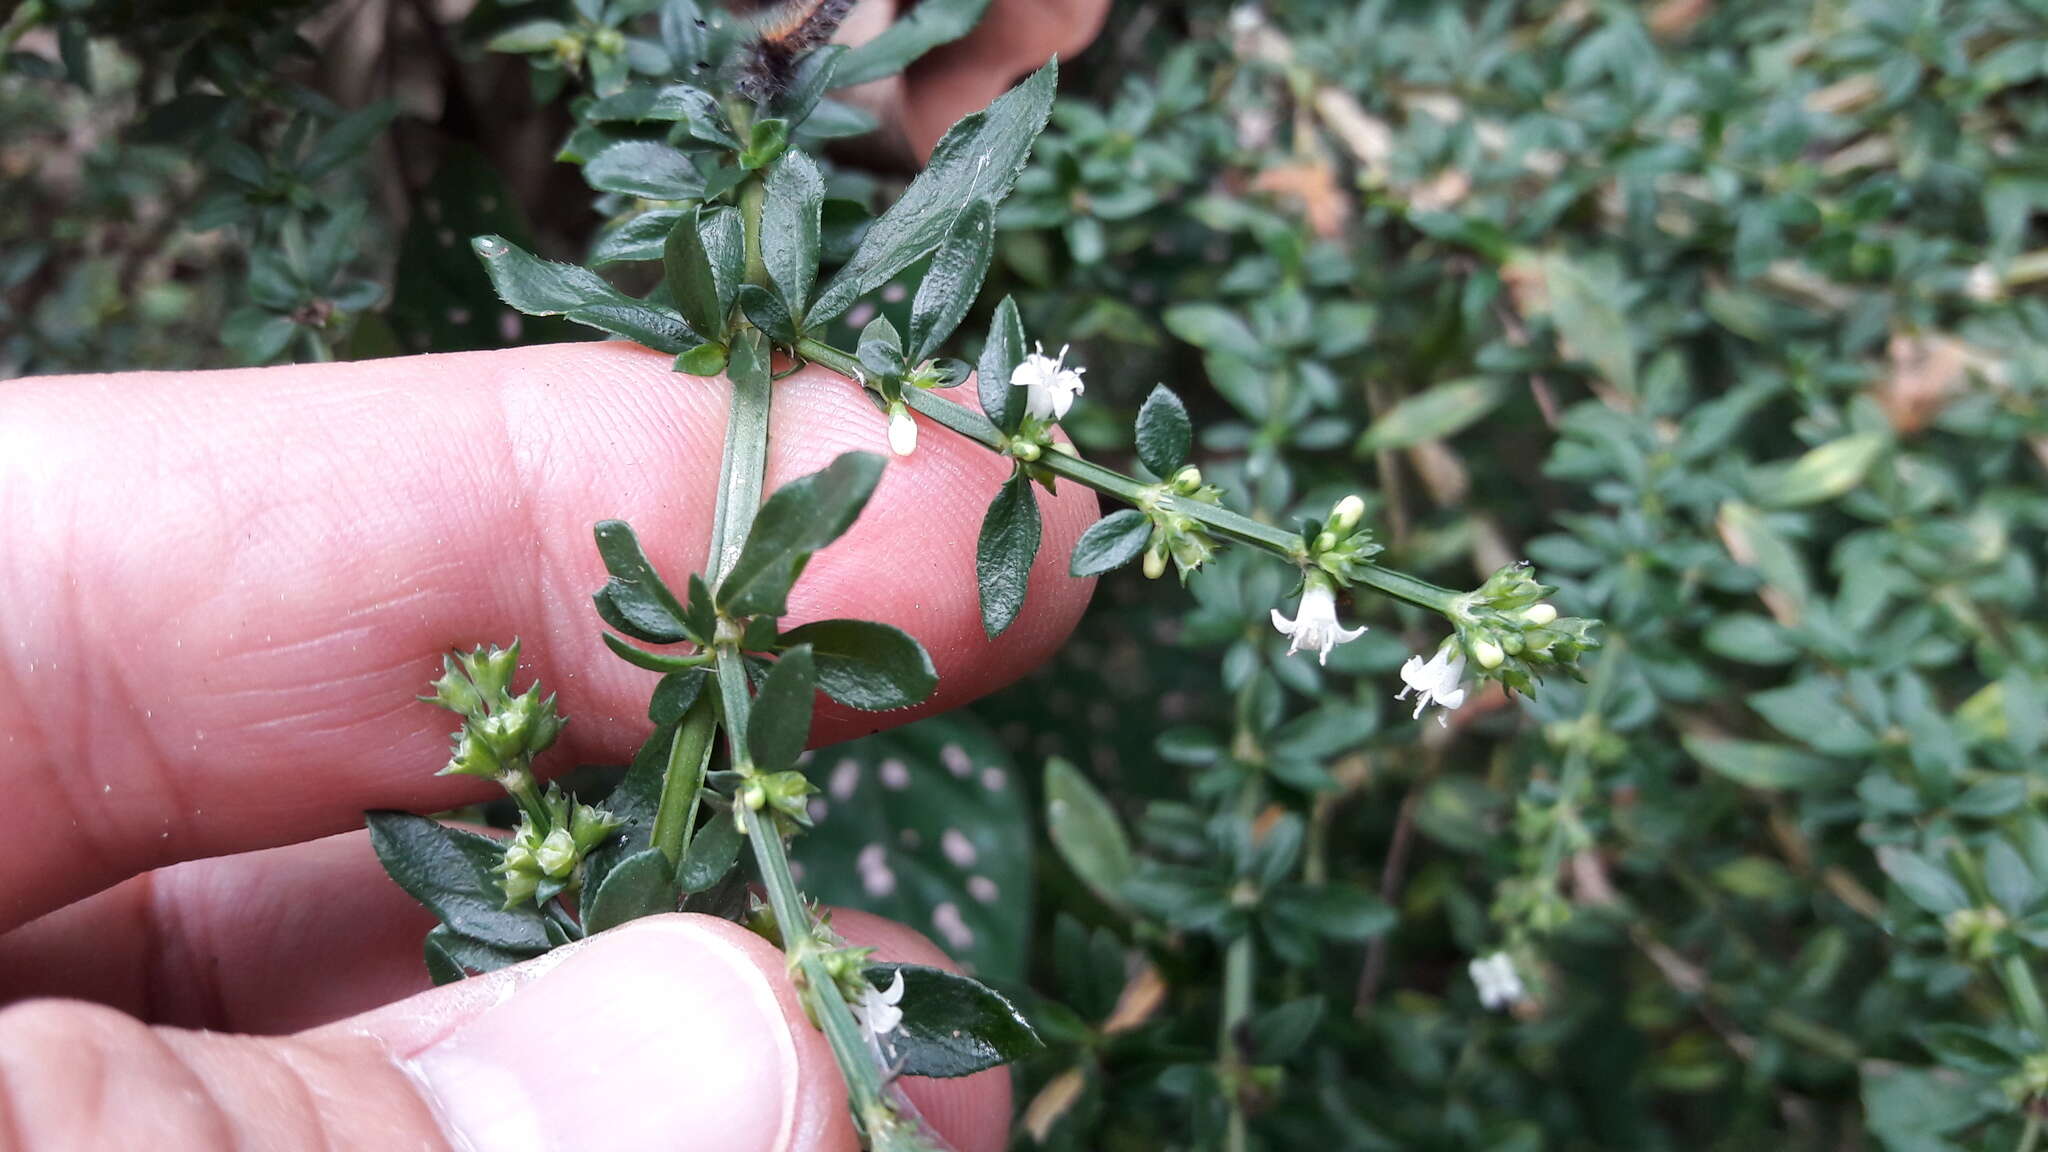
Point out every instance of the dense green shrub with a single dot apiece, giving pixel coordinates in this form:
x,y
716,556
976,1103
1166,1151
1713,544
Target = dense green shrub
x,y
1721,313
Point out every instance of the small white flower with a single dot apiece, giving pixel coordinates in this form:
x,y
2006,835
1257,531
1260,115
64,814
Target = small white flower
x,y
1050,386
1438,682
1315,623
902,431
1498,984
878,1007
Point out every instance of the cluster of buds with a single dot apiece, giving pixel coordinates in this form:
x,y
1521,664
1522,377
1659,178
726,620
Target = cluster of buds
x,y
1513,635
1340,545
787,794
1337,549
501,733
1977,934
1175,534
545,856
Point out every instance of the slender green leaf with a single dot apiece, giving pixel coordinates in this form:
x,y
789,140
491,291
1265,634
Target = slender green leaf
x,y
952,280
923,28
800,518
1433,414
789,229
1000,355
780,725
978,159
645,169
642,884
1086,831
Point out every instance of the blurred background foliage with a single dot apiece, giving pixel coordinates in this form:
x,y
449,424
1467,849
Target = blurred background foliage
x,y
1724,312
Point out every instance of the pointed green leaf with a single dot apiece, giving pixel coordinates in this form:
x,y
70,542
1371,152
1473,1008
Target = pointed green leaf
x,y
645,169
1000,355
634,600
1111,542
952,280
952,1025
451,872
918,31
1435,413
1002,560
544,288
452,956
711,854
640,885
790,217
1163,434
780,725
1086,831
691,282
800,518
978,159
867,665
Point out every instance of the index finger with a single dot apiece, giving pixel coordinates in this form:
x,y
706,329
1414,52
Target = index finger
x,y
223,590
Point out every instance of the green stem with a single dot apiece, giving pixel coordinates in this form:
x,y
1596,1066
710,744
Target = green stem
x,y
753,196
682,783
1237,1006
793,917
1236,526
2030,1135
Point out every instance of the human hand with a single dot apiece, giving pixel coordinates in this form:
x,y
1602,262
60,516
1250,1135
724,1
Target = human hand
x,y
220,595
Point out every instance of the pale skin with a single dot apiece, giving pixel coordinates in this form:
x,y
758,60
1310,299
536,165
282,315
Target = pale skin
x,y
221,593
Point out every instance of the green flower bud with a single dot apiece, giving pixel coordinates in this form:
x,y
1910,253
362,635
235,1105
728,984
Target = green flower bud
x,y
471,756
1155,561
1188,480
491,669
557,855
1539,614
589,826
519,886
453,690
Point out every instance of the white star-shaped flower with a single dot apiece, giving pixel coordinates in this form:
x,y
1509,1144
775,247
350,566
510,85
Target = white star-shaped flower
x,y
878,1006
1499,985
1439,681
1050,386
1315,623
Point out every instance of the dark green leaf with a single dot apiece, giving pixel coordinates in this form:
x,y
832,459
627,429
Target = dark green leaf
x,y
952,1025
1002,559
452,957
1761,765
634,600
674,695
1433,414
781,722
789,229
703,360
347,140
1923,882
866,665
1338,911
645,169
1111,542
450,871
1086,831
640,885
952,280
1163,433
765,310
1000,355
711,854
800,518
544,288
692,284
978,159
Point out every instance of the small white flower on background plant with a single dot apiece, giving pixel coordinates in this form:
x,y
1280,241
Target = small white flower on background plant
x,y
1498,984
1315,623
1438,681
1050,386
878,1006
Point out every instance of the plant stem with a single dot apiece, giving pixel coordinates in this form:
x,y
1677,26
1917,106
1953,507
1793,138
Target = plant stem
x,y
682,783
1578,764
1236,526
2030,1135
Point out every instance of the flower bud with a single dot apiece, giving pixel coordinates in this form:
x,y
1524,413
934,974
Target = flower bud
x,y
1488,654
453,690
902,430
1324,541
1025,450
491,669
754,796
472,756
1155,562
557,854
1348,512
519,886
589,826
1188,480
1539,614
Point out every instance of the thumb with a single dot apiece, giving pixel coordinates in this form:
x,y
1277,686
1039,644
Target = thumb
x,y
672,1032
